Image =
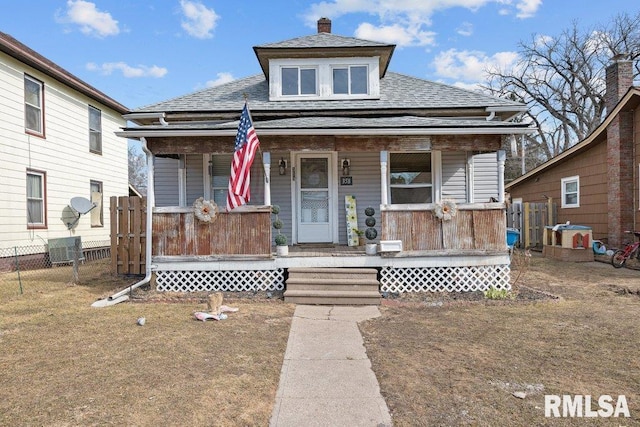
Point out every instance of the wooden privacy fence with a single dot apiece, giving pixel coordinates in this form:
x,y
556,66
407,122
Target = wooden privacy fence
x,y
128,235
531,219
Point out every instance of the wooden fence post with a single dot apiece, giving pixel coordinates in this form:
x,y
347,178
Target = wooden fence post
x,y
525,225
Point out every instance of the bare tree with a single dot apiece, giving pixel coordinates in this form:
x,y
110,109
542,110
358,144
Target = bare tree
x,y
137,169
562,80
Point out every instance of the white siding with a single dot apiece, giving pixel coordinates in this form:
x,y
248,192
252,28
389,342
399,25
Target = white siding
x,y
63,154
454,176
485,177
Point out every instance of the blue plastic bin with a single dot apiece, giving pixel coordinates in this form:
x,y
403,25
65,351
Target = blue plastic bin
x,y
513,235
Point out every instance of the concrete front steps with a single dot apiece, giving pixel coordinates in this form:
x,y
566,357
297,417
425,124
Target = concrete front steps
x,y
333,286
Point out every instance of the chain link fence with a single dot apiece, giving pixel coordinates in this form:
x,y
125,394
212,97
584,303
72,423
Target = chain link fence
x,y
39,268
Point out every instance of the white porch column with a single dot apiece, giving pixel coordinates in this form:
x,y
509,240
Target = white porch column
x,y
470,180
266,162
502,156
384,190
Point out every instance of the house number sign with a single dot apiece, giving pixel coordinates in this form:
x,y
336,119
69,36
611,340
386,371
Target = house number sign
x,y
346,180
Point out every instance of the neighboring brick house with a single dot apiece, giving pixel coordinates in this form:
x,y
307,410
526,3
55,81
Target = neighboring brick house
x,y
596,182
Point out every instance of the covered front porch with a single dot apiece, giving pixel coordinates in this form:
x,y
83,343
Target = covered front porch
x,y
466,253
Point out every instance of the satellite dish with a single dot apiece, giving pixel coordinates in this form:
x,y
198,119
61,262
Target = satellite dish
x,y
82,205
79,206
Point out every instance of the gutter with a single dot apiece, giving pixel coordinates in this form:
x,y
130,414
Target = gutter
x,y
122,295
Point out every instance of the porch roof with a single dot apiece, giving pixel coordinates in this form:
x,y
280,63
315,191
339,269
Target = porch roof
x,y
335,126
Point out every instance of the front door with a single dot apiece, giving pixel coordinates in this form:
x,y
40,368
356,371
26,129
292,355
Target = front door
x,y
314,211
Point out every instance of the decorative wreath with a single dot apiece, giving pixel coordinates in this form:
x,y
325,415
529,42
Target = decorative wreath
x,y
446,209
205,210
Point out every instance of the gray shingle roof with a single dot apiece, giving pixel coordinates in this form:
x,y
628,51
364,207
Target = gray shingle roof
x,y
397,91
322,40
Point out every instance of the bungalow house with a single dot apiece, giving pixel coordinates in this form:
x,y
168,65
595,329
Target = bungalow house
x,y
597,180
57,142
334,124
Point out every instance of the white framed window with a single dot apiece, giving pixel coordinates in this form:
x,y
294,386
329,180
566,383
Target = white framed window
x,y
95,130
324,78
350,80
570,192
410,178
36,199
33,105
97,214
299,81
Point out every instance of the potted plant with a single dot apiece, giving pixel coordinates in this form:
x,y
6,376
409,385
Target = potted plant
x,y
371,233
281,239
360,234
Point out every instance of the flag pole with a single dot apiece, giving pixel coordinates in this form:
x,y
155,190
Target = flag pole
x,y
264,171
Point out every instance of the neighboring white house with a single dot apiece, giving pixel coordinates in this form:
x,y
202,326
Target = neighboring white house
x,y
57,141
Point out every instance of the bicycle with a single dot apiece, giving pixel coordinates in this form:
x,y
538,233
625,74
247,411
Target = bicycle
x,y
630,250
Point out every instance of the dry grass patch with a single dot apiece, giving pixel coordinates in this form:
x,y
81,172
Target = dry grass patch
x,y
66,363
458,364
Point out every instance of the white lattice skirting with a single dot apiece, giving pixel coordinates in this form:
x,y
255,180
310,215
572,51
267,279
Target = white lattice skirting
x,y
445,279
207,281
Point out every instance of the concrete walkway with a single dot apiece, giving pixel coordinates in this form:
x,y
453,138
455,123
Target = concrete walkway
x,y
326,377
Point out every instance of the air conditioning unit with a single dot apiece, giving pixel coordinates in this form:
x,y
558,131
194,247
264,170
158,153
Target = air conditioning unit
x,y
61,251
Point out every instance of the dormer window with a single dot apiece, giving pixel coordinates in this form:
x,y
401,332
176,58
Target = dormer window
x,y
350,80
324,78
299,81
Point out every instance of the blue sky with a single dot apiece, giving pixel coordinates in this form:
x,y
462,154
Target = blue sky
x,y
142,52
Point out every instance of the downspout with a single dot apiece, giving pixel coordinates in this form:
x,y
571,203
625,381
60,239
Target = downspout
x,y
122,295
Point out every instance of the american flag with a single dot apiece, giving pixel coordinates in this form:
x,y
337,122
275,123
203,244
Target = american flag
x,y
245,150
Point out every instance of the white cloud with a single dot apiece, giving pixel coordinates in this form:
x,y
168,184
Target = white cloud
x,y
465,29
127,70
471,66
397,34
199,21
527,8
221,78
91,20
405,22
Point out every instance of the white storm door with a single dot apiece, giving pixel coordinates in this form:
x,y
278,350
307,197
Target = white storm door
x,y
314,205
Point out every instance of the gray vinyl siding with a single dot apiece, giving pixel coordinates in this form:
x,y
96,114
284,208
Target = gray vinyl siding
x,y
485,177
454,176
166,181
365,171
195,177
281,193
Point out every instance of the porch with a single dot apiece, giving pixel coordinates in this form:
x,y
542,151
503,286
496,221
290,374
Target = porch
x,y
236,252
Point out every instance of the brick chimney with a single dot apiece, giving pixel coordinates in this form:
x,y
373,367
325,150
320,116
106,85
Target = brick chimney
x,y
324,25
619,78
620,160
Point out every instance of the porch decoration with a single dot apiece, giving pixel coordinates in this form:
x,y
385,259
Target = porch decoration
x,y
281,239
352,220
446,209
205,210
370,233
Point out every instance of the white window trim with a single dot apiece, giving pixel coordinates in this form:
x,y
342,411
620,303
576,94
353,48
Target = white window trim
x,y
348,67
563,183
39,107
436,173
324,76
300,94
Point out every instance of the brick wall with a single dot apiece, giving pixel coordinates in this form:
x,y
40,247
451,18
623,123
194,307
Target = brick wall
x,y
620,162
